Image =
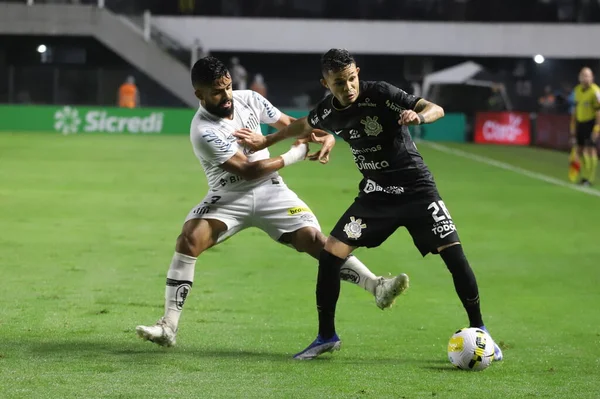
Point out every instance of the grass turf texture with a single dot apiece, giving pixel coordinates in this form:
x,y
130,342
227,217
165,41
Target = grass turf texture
x,y
88,225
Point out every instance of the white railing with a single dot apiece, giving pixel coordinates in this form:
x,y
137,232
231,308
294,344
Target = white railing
x,y
197,49
32,2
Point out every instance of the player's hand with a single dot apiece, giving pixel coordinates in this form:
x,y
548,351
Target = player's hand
x,y
327,142
250,140
409,117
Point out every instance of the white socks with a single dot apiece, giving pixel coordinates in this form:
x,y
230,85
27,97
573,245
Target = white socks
x,y
179,284
354,271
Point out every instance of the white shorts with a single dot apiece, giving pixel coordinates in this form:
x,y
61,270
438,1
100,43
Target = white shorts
x,y
271,207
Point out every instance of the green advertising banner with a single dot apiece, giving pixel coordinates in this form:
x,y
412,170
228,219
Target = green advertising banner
x,y
452,127
90,120
84,120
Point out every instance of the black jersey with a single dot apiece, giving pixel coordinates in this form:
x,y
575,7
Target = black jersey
x,y
384,151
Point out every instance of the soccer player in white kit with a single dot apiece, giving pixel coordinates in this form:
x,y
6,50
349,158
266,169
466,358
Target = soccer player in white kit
x,y
245,190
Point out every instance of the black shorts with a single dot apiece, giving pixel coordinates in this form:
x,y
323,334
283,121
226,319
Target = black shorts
x,y
369,223
585,131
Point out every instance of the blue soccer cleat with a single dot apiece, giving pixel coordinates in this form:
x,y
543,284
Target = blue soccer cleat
x,y
498,356
318,347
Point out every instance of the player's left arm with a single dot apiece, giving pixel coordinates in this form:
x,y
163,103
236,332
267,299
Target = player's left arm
x,y
423,112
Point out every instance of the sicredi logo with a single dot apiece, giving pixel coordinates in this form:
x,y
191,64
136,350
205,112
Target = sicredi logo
x,y
68,120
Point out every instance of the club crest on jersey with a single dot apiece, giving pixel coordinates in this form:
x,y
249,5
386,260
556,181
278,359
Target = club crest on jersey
x,y
354,229
372,127
325,113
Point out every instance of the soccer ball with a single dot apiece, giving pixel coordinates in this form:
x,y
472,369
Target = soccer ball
x,y
471,349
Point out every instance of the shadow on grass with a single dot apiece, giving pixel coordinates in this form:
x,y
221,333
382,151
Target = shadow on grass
x,y
132,351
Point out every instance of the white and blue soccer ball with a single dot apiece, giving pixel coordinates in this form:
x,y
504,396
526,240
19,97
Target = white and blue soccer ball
x,y
471,349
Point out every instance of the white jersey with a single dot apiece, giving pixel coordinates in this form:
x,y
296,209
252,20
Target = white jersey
x,y
214,144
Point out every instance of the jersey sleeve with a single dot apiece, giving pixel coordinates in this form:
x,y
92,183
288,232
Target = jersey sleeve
x,y
398,96
313,119
316,115
212,146
268,113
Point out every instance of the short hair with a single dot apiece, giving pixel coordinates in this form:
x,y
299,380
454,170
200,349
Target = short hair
x,y
208,69
336,60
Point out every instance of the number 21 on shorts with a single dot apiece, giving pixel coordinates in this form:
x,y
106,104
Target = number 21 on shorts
x,y
439,211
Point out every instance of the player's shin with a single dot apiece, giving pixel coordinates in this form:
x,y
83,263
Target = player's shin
x,y
587,166
464,282
179,283
328,292
355,272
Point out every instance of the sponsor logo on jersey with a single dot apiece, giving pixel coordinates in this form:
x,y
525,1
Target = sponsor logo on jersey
x,y
367,150
354,134
297,210
326,113
372,127
270,110
315,120
211,137
393,106
354,229
367,103
338,132
363,164
372,187
252,122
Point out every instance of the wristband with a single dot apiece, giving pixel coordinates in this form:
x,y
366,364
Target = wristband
x,y
295,154
421,119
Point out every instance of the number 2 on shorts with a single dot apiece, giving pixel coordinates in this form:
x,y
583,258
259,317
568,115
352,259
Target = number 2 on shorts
x,y
437,206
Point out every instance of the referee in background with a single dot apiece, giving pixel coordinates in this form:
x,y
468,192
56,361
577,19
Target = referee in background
x,y
585,124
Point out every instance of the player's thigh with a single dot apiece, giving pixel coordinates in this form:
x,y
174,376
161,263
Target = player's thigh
x,y
366,223
430,225
280,212
584,134
232,209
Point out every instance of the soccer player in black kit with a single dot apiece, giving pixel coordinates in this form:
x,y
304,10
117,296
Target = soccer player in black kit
x,y
397,188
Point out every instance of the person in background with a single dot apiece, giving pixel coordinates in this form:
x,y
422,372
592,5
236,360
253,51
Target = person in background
x,y
585,126
129,97
547,101
258,85
239,75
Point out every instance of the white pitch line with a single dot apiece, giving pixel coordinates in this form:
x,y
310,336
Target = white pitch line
x,y
512,168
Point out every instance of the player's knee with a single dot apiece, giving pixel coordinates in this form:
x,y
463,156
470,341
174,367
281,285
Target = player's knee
x,y
309,240
188,244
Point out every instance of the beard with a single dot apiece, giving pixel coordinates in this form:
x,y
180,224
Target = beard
x,y
218,109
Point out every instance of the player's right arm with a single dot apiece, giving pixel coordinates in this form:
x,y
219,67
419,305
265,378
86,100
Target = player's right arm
x,y
298,128
239,165
213,148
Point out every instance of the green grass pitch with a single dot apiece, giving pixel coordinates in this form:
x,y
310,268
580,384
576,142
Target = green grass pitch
x,y
87,231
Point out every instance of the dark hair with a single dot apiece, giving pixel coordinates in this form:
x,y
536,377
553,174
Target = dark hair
x,y
336,60
208,69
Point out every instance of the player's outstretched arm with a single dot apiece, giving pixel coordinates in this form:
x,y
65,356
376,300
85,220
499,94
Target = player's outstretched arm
x,y
423,112
298,128
239,164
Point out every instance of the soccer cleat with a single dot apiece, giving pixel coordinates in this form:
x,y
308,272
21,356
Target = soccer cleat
x,y
388,289
498,356
318,347
160,333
